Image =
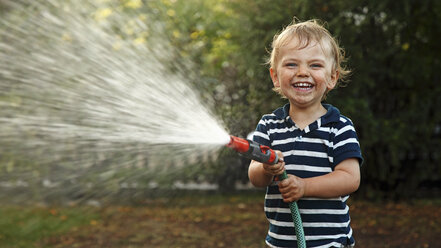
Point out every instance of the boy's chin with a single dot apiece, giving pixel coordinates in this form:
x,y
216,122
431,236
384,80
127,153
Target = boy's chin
x,y
304,102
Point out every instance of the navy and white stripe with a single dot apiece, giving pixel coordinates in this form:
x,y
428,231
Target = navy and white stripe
x,y
310,152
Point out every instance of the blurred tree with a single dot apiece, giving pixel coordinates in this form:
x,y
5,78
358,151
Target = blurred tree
x,y
393,97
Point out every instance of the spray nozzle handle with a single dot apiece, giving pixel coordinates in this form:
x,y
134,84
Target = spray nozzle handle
x,y
253,150
263,153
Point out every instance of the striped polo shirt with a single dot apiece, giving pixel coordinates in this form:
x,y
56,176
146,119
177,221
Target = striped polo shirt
x,y
313,151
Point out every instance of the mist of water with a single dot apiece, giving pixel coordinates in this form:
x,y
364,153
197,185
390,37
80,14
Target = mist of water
x,y
89,91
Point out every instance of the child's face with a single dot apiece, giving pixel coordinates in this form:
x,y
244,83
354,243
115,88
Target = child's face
x,y
304,75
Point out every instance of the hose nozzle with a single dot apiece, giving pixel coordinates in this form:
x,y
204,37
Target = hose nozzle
x,y
253,150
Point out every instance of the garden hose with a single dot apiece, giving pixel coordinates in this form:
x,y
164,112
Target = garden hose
x,y
295,213
264,154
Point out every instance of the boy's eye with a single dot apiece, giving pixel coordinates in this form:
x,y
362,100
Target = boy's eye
x,y
316,65
291,64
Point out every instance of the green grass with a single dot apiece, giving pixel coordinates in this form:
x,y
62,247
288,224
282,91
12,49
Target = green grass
x,y
25,226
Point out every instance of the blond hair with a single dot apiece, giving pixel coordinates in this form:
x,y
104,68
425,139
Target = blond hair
x,y
307,32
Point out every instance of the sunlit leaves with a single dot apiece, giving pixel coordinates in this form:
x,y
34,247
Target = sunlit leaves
x,y
134,4
102,14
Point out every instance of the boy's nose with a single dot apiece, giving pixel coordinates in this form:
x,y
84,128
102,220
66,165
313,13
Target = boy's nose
x,y
302,71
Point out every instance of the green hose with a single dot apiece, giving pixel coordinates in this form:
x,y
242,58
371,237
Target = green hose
x,y
301,243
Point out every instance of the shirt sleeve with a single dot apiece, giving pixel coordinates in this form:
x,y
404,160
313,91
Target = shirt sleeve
x,y
346,144
261,134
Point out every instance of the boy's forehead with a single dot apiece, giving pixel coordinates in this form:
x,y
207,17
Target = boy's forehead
x,y
298,44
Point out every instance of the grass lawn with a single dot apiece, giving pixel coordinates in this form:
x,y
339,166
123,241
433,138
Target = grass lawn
x,y
24,227
208,221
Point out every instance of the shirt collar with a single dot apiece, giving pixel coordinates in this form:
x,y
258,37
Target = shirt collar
x,y
332,114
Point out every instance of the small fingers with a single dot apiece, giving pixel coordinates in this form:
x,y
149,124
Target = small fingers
x,y
279,155
275,169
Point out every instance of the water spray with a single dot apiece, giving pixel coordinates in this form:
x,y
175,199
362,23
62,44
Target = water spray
x,y
93,96
255,151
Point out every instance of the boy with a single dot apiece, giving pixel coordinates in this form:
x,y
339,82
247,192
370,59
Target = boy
x,y
318,146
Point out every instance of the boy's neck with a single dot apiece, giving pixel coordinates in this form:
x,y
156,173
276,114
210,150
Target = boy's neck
x,y
303,116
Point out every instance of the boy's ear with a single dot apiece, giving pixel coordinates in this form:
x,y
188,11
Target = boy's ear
x,y
334,79
274,77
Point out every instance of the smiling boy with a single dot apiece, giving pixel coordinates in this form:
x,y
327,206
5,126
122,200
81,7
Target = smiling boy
x,y
318,146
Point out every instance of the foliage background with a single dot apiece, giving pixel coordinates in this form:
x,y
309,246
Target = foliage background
x,y
393,96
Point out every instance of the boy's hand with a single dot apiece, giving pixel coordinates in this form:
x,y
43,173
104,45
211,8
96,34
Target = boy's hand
x,y
292,188
275,169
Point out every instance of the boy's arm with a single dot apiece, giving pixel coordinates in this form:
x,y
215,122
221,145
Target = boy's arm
x,y
257,175
344,180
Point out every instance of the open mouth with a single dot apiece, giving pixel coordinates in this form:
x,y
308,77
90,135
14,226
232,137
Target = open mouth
x,y
303,85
